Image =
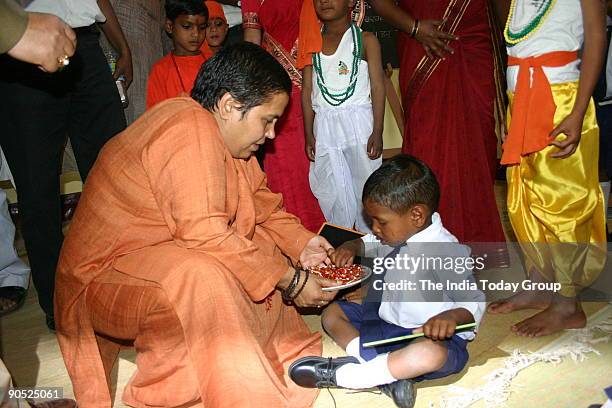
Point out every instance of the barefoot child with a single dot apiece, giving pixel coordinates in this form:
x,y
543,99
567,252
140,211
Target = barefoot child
x,y
555,204
343,100
401,197
174,74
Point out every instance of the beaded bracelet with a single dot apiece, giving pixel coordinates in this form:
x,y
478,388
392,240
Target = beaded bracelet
x,y
301,287
415,28
286,294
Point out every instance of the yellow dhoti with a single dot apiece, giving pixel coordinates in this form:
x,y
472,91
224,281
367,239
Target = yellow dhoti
x,y
556,206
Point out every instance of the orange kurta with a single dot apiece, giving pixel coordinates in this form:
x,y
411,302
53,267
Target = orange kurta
x,y
167,203
167,80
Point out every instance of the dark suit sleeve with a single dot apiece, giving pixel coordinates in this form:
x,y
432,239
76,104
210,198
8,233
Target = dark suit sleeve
x,y
13,23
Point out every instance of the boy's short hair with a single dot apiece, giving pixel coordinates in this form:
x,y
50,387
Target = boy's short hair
x,y
402,182
248,72
175,8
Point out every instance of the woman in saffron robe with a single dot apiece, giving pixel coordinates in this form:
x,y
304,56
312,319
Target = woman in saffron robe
x,y
179,247
274,24
448,94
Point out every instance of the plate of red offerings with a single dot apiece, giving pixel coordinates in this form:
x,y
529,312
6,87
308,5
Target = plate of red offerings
x,y
348,276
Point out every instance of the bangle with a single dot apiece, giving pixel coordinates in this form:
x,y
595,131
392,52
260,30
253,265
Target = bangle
x,y
415,28
286,293
416,31
301,287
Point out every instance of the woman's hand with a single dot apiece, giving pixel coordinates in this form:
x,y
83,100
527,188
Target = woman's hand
x,y
316,252
312,295
433,40
571,126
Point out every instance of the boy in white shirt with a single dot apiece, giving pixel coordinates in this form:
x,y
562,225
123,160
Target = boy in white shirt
x,y
401,198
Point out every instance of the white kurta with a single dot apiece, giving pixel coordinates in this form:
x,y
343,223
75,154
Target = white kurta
x,y
342,165
562,30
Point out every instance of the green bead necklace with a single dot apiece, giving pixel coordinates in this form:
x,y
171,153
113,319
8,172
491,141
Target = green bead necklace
x,y
543,10
336,97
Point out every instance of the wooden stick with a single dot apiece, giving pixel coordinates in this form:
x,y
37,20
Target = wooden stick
x,y
411,336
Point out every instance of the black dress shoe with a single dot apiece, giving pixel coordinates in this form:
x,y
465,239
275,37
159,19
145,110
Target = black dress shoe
x,y
13,294
317,372
402,392
58,403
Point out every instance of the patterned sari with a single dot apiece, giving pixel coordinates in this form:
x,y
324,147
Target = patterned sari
x,y
285,161
449,110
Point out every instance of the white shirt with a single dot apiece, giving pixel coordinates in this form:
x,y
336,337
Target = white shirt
x,y
407,308
562,30
76,13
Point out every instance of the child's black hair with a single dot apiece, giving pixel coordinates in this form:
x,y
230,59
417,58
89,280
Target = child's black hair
x,y
248,72
400,183
175,8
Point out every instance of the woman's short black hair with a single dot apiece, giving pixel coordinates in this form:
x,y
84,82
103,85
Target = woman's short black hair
x,y
175,8
248,72
402,182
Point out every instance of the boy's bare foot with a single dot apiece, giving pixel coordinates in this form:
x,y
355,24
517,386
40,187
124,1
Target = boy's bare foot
x,y
526,299
560,315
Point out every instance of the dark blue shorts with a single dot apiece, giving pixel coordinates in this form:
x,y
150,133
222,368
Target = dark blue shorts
x,y
379,329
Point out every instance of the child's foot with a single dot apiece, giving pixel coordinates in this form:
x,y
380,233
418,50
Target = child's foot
x,y
560,315
526,299
402,392
317,372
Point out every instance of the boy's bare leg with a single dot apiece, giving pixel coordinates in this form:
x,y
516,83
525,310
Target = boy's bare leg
x,y
561,314
338,326
526,299
420,357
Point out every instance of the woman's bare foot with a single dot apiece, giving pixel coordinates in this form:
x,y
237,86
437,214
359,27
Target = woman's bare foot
x,y
526,299
560,315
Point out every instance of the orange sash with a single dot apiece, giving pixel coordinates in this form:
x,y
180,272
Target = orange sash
x,y
534,108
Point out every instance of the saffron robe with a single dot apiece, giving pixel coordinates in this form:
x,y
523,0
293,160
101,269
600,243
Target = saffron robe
x,y
167,204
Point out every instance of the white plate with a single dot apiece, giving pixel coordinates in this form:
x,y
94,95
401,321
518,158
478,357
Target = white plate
x,y
367,271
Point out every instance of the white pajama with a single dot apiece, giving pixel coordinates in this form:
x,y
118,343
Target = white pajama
x,y
342,165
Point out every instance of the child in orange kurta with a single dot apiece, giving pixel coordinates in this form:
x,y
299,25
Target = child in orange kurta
x,y
174,74
216,29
